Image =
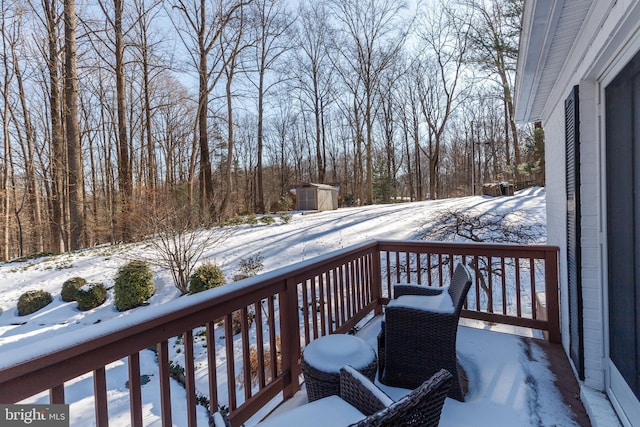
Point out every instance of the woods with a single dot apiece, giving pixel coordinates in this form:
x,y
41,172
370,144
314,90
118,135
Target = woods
x,y
115,110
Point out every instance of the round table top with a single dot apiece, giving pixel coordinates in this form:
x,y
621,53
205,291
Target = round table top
x,y
332,352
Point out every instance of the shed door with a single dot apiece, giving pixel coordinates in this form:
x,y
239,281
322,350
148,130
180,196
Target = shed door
x,y
622,108
572,136
307,199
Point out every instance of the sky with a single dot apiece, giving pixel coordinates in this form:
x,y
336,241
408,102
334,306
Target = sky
x,y
495,362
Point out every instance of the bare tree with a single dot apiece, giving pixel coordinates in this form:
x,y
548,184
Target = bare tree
x,y
200,29
494,34
232,44
6,138
374,36
178,242
145,47
314,73
26,136
52,52
441,67
74,147
271,24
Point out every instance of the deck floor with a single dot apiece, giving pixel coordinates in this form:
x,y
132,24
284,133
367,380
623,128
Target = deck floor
x,y
499,389
565,380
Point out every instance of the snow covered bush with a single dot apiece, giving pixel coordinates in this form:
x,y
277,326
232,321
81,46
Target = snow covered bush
x,y
207,276
70,288
133,285
32,301
91,296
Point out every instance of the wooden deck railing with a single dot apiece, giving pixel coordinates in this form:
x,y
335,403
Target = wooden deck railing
x,y
251,333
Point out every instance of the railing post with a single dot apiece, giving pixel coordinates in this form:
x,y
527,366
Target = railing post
x,y
56,394
135,394
552,285
376,280
290,338
100,396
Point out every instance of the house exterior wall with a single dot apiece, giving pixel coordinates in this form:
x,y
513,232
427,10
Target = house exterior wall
x,y
593,321
591,220
556,205
609,38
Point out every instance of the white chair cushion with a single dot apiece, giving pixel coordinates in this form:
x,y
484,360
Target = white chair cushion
x,y
440,303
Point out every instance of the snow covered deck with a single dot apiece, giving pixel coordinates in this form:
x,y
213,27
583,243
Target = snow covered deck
x,y
514,379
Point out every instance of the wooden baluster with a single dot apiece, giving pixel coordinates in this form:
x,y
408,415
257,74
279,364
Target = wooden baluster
x,y
165,383
135,394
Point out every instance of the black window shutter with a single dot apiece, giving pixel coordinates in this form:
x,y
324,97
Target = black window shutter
x,y
572,137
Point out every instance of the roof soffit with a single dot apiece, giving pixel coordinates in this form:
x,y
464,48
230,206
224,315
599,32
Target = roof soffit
x,y
550,29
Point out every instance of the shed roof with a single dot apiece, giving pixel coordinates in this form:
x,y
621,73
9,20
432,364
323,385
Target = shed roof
x,y
320,186
549,33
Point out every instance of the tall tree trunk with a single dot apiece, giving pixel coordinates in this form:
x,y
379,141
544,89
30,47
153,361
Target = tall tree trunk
x,y
205,177
6,223
56,224
259,208
124,166
418,161
151,152
369,148
434,161
74,148
320,153
228,184
36,243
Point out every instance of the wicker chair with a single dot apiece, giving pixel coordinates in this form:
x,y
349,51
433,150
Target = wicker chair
x,y
362,404
419,336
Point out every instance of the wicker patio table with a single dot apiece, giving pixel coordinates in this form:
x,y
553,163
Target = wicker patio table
x,y
323,358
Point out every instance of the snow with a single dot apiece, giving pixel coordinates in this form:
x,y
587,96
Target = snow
x,y
509,384
440,303
332,352
502,392
330,411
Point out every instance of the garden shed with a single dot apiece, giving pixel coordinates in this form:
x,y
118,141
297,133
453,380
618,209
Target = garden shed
x,y
316,197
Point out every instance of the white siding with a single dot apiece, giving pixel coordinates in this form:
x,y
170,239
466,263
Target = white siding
x,y
592,272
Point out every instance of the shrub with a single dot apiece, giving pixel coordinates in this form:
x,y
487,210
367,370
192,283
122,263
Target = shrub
x,y
133,285
70,288
207,276
285,216
251,219
236,320
32,301
233,221
267,219
251,265
28,257
91,296
254,364
283,213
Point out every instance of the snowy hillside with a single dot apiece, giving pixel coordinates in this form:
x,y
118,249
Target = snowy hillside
x,y
305,237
